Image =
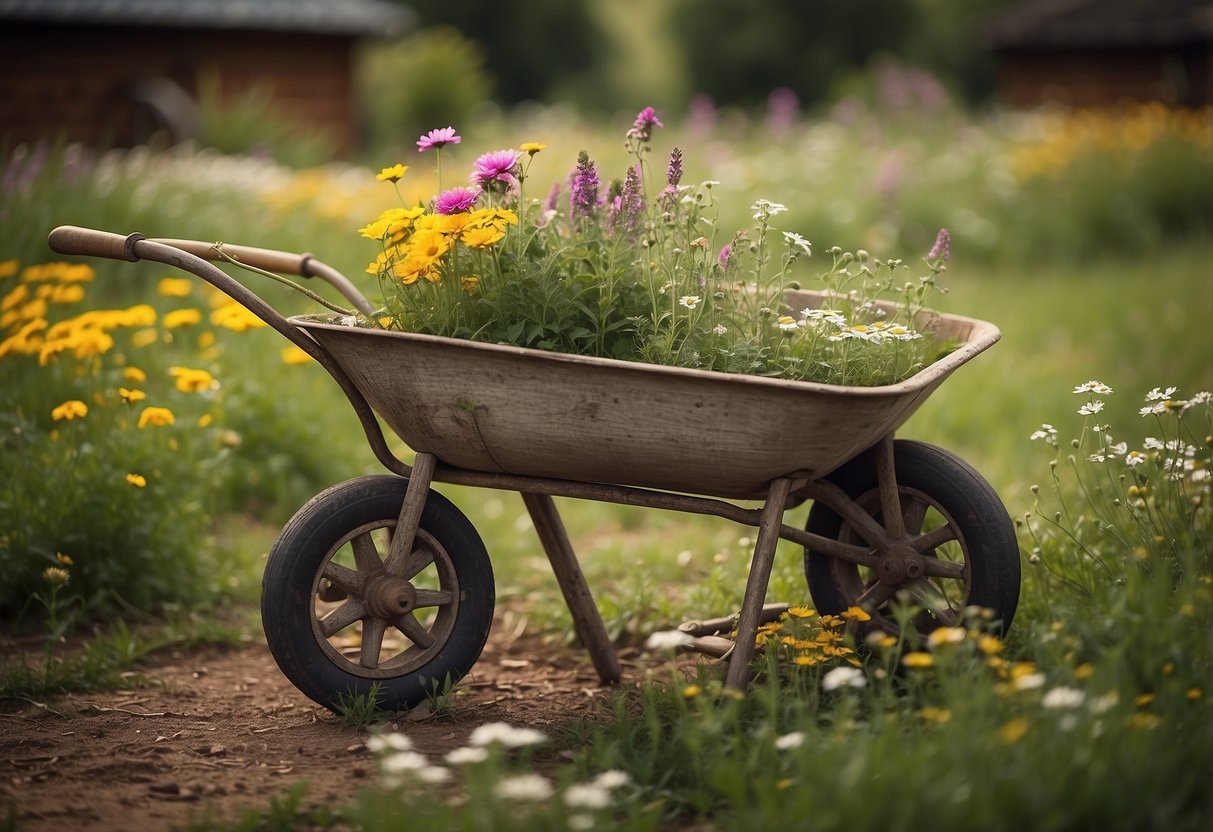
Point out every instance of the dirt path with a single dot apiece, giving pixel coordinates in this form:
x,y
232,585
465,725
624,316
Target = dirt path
x,y
222,731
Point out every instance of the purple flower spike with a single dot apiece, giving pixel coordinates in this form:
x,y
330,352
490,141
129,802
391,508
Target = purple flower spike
x,y
642,129
456,201
725,254
584,185
438,139
942,250
673,171
497,166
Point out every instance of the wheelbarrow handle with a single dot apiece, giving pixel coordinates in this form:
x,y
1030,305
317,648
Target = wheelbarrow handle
x,y
73,240
284,262
70,239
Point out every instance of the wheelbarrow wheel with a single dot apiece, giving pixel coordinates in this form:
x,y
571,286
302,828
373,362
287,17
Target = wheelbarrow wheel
x,y
340,626
955,521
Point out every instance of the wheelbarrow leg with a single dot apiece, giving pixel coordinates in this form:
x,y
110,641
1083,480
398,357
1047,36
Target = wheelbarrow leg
x,y
738,677
586,620
410,513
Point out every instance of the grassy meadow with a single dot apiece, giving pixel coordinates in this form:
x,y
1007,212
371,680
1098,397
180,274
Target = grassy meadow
x,y
1085,239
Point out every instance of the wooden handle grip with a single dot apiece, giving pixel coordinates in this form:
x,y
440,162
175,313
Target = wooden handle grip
x,y
70,239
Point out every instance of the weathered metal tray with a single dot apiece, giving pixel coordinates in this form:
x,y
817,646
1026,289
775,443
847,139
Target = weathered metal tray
x,y
504,409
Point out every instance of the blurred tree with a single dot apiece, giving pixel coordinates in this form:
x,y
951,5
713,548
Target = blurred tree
x,y
738,58
396,108
944,39
532,48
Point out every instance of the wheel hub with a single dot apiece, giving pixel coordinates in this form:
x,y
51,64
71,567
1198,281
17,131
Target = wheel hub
x,y
388,597
900,565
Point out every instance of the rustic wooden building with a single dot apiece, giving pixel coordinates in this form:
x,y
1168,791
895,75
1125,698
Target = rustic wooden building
x,y
1090,53
115,72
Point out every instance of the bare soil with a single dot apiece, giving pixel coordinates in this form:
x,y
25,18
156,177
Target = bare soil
x,y
220,731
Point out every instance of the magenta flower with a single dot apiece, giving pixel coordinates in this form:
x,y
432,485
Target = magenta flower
x,y
628,207
642,129
438,139
725,254
456,200
497,166
584,186
942,249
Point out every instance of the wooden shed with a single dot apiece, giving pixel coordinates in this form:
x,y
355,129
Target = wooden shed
x,y
114,72
1092,53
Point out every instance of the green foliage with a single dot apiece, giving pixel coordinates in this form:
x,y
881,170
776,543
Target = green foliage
x,y
530,47
398,106
359,710
641,272
248,124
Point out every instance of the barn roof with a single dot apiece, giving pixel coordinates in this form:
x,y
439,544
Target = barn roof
x,y
1102,23
339,17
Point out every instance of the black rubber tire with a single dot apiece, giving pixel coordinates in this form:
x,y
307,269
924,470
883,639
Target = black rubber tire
x,y
955,492
291,584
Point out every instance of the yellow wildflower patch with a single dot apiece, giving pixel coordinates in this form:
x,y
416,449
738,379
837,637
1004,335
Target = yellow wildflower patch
x,y
175,287
235,317
69,410
1013,731
918,660
293,355
182,317
192,381
392,174
137,480
156,417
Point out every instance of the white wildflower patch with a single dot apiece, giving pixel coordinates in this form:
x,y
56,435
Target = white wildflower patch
x,y
946,635
402,761
1158,395
690,301
765,209
612,778
843,677
587,796
795,241
1063,697
1091,408
667,640
531,787
1094,386
467,755
1047,432
1029,681
795,739
389,742
505,734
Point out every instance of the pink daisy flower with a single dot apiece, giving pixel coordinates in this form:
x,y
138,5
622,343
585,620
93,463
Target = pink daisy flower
x,y
497,166
438,139
456,200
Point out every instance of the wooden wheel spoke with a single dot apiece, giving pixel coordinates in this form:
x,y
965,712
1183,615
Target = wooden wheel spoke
x,y
936,602
411,627
372,639
344,578
938,568
934,539
875,595
418,559
345,615
914,512
366,555
433,598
